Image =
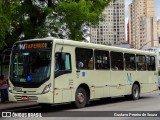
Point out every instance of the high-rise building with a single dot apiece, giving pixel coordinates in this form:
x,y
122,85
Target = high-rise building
x,y
142,24
111,30
158,30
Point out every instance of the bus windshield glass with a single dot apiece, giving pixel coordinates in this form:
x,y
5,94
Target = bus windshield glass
x,y
31,62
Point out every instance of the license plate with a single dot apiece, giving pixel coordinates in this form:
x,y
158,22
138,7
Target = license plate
x,y
17,88
25,98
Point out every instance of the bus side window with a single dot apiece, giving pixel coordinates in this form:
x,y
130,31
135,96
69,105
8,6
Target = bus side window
x,y
141,62
102,60
117,61
84,58
129,62
150,63
62,61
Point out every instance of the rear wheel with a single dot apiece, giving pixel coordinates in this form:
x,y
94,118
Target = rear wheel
x,y
80,98
135,92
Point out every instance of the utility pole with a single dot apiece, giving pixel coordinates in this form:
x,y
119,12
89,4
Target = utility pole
x,y
147,43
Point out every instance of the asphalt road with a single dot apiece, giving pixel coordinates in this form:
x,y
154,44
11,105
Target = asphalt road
x,y
148,103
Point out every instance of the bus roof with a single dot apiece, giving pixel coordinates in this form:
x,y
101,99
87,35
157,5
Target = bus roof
x,y
91,45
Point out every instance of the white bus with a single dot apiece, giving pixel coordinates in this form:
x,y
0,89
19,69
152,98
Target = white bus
x,y
52,71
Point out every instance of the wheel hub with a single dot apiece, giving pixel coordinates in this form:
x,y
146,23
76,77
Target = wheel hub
x,y
80,97
136,91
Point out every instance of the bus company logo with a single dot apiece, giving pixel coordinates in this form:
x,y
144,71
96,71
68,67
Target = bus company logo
x,y
6,114
21,46
13,114
129,77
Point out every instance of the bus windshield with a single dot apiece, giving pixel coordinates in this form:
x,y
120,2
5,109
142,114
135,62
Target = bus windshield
x,y
30,66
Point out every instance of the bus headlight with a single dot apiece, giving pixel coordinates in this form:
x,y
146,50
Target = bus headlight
x,y
46,88
9,89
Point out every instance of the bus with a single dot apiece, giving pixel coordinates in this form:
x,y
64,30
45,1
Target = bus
x,y
54,71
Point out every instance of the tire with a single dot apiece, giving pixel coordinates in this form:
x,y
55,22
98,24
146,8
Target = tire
x,y
80,98
135,92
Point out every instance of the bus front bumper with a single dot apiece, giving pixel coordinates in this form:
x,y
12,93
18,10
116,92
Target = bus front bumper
x,y
39,98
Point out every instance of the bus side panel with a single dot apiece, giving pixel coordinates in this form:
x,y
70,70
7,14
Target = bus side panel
x,y
58,96
153,80
98,80
65,84
118,83
130,78
143,79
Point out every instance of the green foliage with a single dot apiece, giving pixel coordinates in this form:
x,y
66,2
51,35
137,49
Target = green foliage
x,y
4,24
80,13
27,19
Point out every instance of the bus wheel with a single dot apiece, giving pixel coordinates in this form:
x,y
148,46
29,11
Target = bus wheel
x,y
80,98
135,92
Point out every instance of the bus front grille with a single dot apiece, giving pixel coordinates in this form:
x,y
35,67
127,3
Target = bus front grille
x,y
31,98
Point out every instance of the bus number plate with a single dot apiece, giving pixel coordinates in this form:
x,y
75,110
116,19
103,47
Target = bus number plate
x,y
17,88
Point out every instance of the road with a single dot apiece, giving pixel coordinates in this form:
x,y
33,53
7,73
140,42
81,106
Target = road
x,y
149,102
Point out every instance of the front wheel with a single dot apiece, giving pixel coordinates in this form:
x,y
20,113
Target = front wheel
x,y
80,98
135,92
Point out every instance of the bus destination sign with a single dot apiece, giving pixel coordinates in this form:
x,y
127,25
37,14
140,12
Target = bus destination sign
x,y
33,45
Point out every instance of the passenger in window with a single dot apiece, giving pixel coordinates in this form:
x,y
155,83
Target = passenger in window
x,y
80,65
97,66
128,67
90,64
140,67
115,67
144,67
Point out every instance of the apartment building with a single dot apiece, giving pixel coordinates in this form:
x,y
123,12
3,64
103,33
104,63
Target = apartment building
x,y
110,31
142,24
158,30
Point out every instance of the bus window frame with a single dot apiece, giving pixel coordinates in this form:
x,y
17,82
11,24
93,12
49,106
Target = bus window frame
x,y
113,69
62,72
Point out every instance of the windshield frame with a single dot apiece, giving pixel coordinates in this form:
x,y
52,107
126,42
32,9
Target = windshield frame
x,y
15,50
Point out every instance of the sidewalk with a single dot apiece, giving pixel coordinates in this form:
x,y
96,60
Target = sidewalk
x,y
11,105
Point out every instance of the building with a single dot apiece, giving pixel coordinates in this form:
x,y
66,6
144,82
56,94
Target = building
x,y
111,30
158,30
142,24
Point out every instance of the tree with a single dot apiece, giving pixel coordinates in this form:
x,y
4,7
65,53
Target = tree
x,y
27,19
4,23
76,15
